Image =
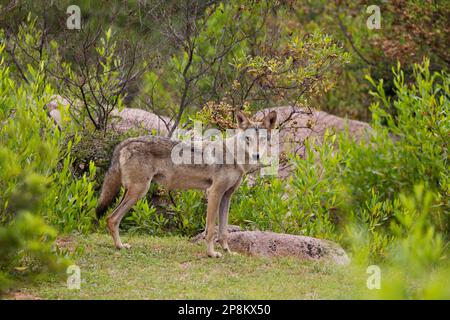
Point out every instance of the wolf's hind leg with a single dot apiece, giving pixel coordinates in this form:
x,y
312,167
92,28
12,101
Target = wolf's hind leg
x,y
131,196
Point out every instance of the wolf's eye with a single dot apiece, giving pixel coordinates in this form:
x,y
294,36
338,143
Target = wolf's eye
x,y
247,139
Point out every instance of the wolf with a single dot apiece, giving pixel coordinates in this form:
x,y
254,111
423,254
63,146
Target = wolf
x,y
136,162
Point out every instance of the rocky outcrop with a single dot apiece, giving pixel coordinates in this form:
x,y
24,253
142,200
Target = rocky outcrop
x,y
130,118
298,124
271,244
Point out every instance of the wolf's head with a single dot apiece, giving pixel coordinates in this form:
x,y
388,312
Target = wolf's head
x,y
254,137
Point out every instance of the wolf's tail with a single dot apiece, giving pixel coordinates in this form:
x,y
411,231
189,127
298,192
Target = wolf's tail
x,y
110,188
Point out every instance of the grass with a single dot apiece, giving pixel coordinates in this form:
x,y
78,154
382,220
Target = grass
x,y
174,268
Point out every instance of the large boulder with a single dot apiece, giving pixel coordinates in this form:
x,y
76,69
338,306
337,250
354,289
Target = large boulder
x,y
271,244
298,124
122,121
130,118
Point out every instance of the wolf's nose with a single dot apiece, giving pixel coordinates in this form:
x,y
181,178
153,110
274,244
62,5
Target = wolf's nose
x,y
256,156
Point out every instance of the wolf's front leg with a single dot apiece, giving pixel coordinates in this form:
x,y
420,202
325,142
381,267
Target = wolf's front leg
x,y
223,216
223,222
213,208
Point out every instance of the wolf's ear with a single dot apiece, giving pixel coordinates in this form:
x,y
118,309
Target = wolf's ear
x,y
242,120
270,120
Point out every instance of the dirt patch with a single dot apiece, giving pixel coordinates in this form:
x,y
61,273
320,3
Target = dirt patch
x,y
20,295
66,243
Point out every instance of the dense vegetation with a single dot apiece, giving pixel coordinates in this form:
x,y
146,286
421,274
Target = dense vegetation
x,y
384,199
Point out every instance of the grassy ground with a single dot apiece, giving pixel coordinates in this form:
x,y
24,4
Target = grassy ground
x,y
174,268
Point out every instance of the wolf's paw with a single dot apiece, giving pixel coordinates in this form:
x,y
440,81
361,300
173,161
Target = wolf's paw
x,y
123,246
214,254
228,251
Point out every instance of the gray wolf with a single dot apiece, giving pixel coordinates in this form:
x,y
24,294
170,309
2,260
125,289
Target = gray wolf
x,y
136,162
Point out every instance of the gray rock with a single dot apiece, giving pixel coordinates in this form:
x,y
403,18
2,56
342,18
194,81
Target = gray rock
x,y
271,244
130,118
122,121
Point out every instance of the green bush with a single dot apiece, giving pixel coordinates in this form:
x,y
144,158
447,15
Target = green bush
x,y
27,250
189,212
263,206
409,143
29,150
145,218
407,147
36,187
418,266
72,200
